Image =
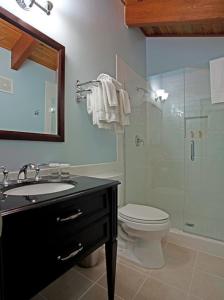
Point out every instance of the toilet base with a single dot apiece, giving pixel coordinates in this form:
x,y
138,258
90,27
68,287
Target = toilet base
x,y
143,248
149,253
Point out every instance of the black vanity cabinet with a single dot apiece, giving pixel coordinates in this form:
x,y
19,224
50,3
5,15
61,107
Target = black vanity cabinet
x,y
42,240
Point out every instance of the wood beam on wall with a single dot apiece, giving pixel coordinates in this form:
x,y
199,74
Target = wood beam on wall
x,y
140,13
22,50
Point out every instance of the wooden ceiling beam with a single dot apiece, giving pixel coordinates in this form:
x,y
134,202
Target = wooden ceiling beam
x,y
22,50
142,13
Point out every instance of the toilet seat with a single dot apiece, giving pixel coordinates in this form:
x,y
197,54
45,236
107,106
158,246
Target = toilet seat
x,y
143,214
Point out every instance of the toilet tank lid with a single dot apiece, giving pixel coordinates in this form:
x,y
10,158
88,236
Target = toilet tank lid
x,y
141,212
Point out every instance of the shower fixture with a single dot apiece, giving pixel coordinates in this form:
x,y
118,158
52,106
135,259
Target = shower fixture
x,y
139,141
45,5
161,95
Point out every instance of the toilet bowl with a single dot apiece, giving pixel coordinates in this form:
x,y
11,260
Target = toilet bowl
x,y
145,227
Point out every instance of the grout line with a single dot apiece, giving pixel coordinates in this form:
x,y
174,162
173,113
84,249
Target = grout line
x,y
183,246
203,252
86,291
106,290
170,285
177,243
43,297
140,287
211,274
92,285
132,265
100,277
192,275
100,285
137,269
83,275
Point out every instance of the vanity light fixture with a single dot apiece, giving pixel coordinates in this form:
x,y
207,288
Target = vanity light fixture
x,y
161,95
47,6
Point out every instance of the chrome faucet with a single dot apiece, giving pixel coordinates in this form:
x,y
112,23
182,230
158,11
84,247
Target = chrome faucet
x,y
24,170
5,176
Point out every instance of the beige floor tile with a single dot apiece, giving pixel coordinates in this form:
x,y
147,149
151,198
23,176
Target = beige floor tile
x,y
68,287
210,264
131,264
128,280
97,293
207,286
180,255
155,290
95,272
191,297
179,267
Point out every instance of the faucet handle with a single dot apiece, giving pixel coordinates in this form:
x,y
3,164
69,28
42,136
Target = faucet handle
x,y
37,174
37,169
5,174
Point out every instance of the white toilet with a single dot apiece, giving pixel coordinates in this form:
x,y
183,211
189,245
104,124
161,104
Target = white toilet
x,y
145,227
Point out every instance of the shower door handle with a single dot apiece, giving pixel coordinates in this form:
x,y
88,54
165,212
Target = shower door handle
x,y
192,150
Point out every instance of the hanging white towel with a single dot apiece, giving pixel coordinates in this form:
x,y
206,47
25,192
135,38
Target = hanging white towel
x,y
124,107
126,101
99,111
89,103
111,112
217,80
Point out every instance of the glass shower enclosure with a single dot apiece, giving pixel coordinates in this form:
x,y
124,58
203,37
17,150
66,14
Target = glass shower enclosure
x,y
185,152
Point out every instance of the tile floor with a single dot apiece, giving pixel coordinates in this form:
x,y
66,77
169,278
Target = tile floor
x,y
188,275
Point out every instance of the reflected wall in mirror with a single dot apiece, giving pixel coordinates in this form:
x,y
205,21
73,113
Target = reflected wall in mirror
x,y
31,82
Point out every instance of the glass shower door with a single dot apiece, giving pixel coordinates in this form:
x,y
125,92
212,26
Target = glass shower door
x,y
204,159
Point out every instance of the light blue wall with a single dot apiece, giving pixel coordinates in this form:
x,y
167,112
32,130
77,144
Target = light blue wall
x,y
17,109
93,32
167,54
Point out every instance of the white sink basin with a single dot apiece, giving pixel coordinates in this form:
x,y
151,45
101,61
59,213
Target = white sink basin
x,y
39,189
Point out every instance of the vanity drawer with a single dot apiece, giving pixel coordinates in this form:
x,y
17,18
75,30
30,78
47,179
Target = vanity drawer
x,y
72,210
72,216
82,243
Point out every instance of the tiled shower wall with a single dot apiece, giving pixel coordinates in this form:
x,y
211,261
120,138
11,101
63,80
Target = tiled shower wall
x,y
166,147
191,191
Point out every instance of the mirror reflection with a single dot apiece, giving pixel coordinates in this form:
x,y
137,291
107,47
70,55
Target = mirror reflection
x,y
28,82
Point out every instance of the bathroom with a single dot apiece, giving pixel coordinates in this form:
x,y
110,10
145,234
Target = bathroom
x,y
169,157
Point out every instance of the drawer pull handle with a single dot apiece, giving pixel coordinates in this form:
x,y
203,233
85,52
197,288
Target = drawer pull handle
x,y
72,217
73,254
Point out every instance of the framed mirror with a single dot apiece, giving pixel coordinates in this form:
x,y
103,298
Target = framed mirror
x,y
32,71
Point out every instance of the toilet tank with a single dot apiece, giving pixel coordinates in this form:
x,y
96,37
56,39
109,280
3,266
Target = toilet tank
x,y
120,178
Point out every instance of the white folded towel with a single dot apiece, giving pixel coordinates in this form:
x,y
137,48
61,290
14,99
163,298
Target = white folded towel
x,y
217,80
116,83
109,85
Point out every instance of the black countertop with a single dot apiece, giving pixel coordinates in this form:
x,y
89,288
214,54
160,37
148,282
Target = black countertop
x,y
82,185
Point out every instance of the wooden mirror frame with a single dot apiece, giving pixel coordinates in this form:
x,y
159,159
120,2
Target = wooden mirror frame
x,y
16,135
